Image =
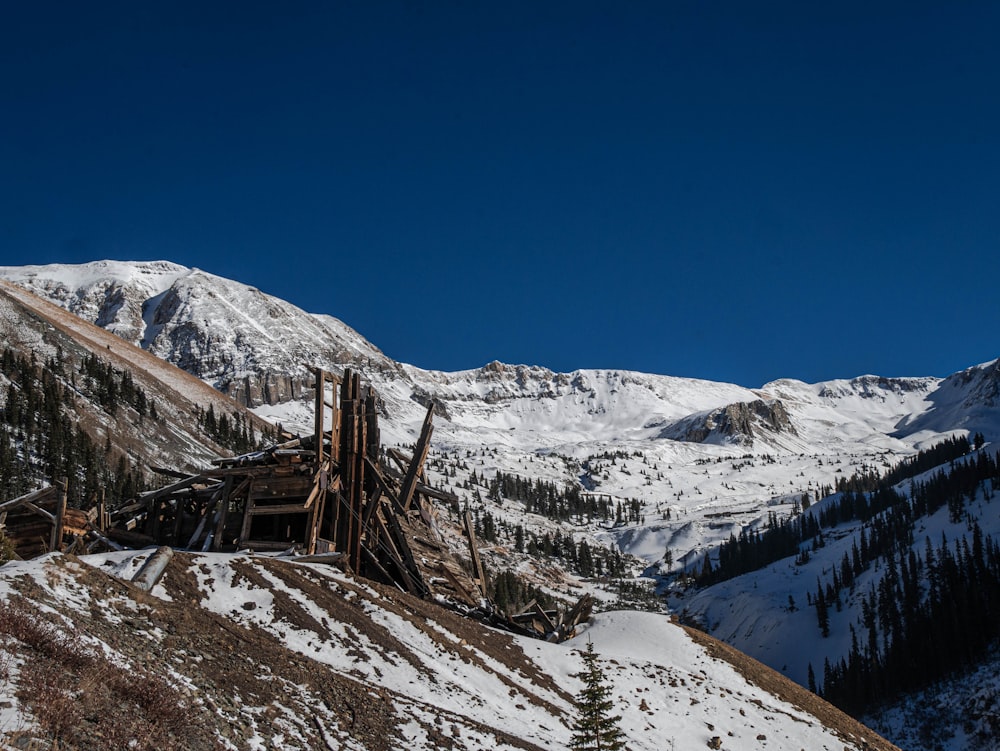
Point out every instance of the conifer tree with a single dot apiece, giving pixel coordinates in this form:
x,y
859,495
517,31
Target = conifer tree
x,y
596,728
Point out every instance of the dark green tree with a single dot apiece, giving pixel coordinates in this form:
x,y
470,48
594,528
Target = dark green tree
x,y
595,728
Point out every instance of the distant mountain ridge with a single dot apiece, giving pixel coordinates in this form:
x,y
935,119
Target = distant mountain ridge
x,y
257,349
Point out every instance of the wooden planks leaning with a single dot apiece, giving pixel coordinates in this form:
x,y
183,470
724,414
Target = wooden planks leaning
x,y
326,494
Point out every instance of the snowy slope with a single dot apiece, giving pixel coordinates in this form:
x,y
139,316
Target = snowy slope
x,y
765,614
269,653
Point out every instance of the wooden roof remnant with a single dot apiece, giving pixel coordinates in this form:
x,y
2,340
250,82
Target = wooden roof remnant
x,y
328,495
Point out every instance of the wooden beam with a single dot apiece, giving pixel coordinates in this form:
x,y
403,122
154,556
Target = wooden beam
x,y
40,511
168,489
102,512
479,576
540,613
320,415
247,518
458,586
441,495
278,508
57,530
35,496
394,545
206,514
387,490
227,495
173,472
419,456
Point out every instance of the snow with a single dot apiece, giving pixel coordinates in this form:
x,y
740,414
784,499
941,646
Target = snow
x,y
562,428
666,688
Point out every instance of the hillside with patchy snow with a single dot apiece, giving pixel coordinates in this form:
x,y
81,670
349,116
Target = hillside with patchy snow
x,y
254,652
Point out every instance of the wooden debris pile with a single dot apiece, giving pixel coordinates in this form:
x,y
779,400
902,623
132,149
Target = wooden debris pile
x,y
332,495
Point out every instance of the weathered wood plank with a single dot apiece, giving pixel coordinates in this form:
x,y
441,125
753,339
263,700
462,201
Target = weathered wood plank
x,y
172,488
268,488
35,496
320,413
478,575
278,508
416,467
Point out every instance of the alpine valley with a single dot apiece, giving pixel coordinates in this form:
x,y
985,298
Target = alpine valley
x,y
843,533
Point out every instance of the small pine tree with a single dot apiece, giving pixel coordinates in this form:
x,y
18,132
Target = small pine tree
x,y
595,727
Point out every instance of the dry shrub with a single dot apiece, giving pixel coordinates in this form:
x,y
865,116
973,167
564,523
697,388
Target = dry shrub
x,y
82,700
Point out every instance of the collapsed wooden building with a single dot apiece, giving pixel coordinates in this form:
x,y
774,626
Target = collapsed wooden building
x,y
334,495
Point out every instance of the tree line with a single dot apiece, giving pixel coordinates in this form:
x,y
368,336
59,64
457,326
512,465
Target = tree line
x,y
929,614
863,496
41,441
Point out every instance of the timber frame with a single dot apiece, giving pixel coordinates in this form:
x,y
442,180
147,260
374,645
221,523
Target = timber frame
x,y
334,496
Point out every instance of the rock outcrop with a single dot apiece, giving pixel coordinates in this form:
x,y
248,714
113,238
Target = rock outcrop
x,y
740,423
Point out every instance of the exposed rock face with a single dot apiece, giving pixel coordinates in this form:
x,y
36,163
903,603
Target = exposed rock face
x,y
876,387
982,383
252,346
740,422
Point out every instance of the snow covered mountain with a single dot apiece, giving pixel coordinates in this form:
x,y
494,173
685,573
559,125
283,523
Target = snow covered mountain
x,y
242,342
704,458
687,463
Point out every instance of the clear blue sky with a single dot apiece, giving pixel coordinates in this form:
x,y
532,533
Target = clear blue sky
x,y
738,191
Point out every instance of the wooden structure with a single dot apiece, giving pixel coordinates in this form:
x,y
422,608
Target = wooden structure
x,y
39,522
329,493
332,494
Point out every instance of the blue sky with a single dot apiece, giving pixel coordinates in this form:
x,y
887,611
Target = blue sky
x,y
727,190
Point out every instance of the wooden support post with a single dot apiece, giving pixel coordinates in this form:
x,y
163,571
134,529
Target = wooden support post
x,y
371,423
227,495
206,514
178,521
320,413
358,489
477,566
153,519
55,542
343,520
247,518
102,521
419,456
336,417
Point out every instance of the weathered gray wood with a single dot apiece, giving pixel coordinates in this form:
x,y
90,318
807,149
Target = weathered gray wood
x,y
458,586
206,514
227,495
57,528
35,496
478,575
295,486
153,569
441,495
281,508
173,488
419,456
247,518
320,413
